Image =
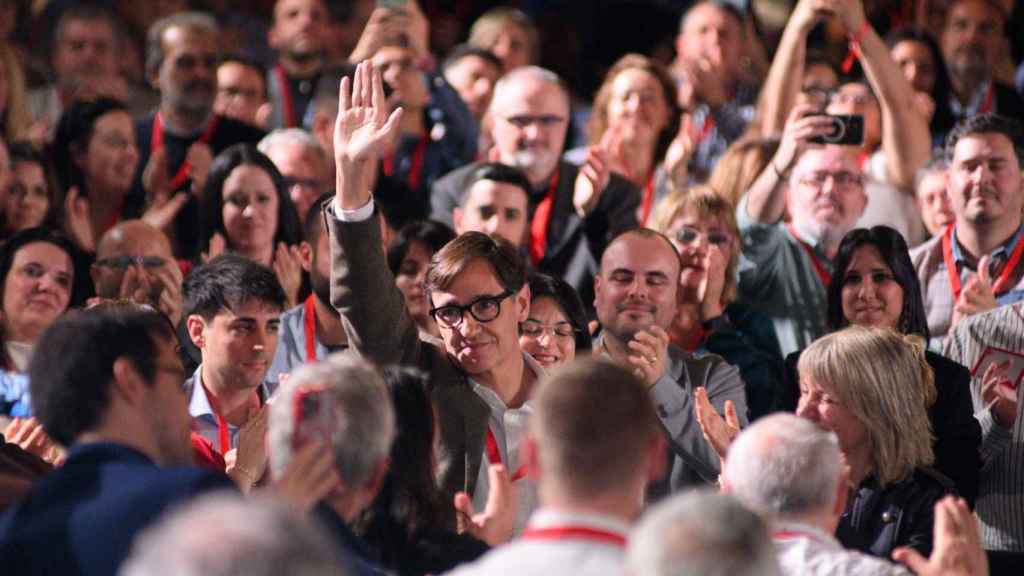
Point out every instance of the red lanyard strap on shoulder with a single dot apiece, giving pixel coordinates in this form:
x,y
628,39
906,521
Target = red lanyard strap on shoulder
x,y
288,115
310,325
541,221
156,142
494,456
826,278
575,533
1002,283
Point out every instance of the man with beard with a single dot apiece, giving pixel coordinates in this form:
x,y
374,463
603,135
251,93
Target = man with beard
x,y
178,142
574,210
822,187
313,329
84,62
974,266
636,303
298,36
970,46
233,307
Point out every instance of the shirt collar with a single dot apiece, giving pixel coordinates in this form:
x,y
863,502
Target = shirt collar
x,y
199,404
973,105
1001,253
552,518
802,530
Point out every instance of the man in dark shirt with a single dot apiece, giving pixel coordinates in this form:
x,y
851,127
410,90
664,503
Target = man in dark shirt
x,y
178,142
120,410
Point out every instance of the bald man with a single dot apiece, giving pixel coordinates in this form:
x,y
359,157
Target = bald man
x,y
134,262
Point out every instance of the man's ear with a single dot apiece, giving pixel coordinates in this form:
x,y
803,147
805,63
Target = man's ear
x,y
126,382
597,288
195,326
523,303
306,256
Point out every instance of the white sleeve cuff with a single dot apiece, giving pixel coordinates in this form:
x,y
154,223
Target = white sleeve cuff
x,y
360,214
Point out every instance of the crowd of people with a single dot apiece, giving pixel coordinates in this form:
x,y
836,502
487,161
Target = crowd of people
x,y
311,287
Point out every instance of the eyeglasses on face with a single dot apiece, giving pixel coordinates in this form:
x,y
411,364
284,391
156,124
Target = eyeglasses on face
x,y
123,262
688,235
483,309
522,121
534,329
839,179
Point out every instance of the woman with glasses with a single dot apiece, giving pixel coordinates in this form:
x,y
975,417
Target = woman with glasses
x,y
702,226
95,158
555,332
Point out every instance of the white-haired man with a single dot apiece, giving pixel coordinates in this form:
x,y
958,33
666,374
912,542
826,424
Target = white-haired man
x,y
575,211
790,470
359,434
302,162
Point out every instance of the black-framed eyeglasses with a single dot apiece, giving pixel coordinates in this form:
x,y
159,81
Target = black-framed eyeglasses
x,y
534,329
123,262
483,309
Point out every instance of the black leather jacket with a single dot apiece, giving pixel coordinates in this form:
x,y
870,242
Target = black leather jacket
x,y
877,520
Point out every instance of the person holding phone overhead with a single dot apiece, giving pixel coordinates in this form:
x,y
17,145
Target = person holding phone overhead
x,y
822,188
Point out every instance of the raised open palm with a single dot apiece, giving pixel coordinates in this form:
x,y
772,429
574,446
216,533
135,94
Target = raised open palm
x,y
363,126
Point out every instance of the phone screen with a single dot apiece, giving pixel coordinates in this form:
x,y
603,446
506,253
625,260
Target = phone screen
x,y
311,417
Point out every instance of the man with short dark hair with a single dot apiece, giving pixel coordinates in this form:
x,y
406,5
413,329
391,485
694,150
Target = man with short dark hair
x,y
971,41
298,33
473,71
594,444
178,142
495,202
636,303
232,310
477,290
313,329
974,265
120,410
84,61
242,91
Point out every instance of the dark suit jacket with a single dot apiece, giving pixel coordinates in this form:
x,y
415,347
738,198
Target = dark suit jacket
x,y
380,329
574,244
82,518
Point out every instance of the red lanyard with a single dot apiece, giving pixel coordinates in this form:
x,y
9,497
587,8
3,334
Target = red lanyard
x,y
647,201
575,533
310,329
287,103
826,278
705,130
415,168
793,535
157,142
1001,284
494,456
990,96
541,220
223,432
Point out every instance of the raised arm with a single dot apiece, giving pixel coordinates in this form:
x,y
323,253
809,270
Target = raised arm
x,y
906,140
785,76
766,199
363,289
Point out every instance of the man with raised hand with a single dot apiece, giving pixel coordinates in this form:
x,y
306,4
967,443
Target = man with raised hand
x,y
478,295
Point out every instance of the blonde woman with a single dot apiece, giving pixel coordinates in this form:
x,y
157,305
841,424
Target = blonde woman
x,y
702,226
869,386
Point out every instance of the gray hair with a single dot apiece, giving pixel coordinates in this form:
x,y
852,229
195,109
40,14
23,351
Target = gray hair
x,y
701,533
937,164
155,35
296,136
535,73
784,465
363,426
224,534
